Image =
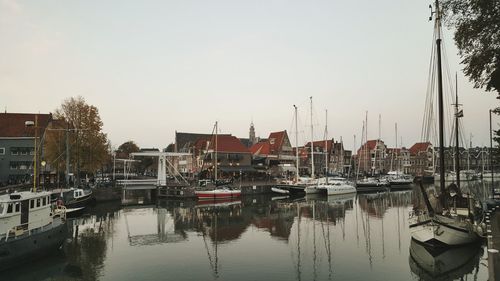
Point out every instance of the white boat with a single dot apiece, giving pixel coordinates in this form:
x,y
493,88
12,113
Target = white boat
x,y
218,193
338,187
30,227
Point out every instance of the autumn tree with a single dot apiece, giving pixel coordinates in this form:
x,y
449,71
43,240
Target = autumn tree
x,y
477,36
126,148
88,145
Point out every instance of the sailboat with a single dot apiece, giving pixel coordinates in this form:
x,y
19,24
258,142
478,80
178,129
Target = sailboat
x,y
296,187
218,192
313,188
429,226
334,186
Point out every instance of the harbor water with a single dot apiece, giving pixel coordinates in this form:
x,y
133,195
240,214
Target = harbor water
x,y
349,237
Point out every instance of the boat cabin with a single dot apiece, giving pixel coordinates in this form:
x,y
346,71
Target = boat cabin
x,y
21,211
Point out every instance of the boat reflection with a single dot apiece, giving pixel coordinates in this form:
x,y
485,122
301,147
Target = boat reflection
x,y
444,264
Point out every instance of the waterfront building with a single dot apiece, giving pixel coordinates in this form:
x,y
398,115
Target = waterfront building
x,y
371,157
275,153
17,142
398,159
232,156
421,158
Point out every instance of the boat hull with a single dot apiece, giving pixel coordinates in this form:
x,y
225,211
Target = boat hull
x,y
217,194
292,189
16,251
441,231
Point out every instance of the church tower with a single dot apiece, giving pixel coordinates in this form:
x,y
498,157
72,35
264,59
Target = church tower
x,y
251,136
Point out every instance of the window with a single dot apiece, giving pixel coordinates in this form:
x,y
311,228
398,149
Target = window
x,y
38,202
44,201
32,204
2,150
9,209
1,208
18,207
14,151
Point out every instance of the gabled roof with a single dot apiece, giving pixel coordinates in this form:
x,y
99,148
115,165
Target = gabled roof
x,y
13,124
419,147
276,140
367,146
260,148
229,144
184,141
321,144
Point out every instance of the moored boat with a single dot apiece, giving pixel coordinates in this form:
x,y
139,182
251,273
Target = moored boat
x,y
218,193
30,227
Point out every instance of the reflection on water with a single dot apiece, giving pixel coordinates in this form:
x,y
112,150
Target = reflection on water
x,y
444,264
350,237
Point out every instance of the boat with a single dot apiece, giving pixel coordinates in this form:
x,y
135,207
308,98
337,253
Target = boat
x,y
30,227
399,180
338,187
372,185
442,228
444,264
298,186
222,191
73,198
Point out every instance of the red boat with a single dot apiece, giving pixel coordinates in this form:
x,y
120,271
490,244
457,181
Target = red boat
x,y
219,193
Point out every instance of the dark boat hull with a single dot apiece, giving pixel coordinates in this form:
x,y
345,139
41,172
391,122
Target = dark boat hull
x,y
21,250
292,189
80,202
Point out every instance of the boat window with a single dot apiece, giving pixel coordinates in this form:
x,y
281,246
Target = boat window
x,y
18,207
38,202
44,201
9,209
32,204
1,208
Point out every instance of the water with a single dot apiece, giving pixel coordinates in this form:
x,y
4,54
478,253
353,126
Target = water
x,y
357,237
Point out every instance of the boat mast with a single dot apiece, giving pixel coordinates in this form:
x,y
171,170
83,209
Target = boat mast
x,y
35,175
457,147
440,106
216,160
296,145
326,145
312,140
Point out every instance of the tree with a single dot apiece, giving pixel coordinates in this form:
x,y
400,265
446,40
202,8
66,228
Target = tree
x,y
88,145
477,36
126,148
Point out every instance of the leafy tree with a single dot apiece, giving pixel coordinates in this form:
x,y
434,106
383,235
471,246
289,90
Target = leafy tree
x,y
88,145
126,148
477,36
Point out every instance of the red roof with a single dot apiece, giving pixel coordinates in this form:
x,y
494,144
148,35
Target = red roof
x,y
227,143
13,124
321,144
369,145
260,148
419,147
276,140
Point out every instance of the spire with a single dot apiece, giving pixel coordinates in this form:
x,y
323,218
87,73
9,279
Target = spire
x,y
251,136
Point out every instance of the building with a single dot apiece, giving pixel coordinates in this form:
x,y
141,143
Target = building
x,y
398,159
275,153
232,156
371,157
17,145
421,158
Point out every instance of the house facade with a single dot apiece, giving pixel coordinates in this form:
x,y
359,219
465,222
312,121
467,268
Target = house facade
x,y
17,145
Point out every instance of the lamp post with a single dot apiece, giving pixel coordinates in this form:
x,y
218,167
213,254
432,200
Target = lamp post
x,y
491,158
35,158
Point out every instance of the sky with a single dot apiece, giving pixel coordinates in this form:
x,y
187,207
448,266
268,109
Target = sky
x,y
156,67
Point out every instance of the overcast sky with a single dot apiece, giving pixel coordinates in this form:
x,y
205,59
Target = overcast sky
x,y
154,67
